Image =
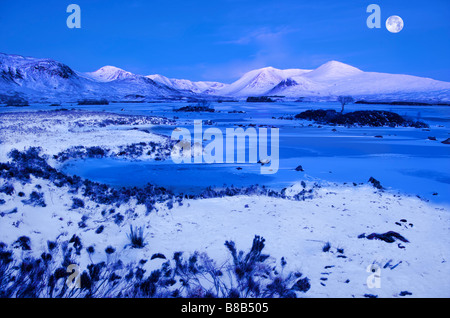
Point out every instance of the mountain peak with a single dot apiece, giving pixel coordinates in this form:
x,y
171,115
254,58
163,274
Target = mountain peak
x,y
333,70
109,73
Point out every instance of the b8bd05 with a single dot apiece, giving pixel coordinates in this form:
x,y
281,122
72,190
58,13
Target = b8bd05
x,y
246,307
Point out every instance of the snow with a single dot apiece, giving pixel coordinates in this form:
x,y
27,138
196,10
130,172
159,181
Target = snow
x,y
55,132
296,230
335,78
46,80
332,70
49,81
108,73
258,82
206,87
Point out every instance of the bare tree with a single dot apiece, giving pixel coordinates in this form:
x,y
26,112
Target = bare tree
x,y
345,100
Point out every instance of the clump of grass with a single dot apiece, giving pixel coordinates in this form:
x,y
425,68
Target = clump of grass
x,y
248,275
36,199
326,247
77,203
136,237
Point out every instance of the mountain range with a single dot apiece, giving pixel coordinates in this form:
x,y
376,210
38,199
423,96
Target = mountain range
x,y
46,80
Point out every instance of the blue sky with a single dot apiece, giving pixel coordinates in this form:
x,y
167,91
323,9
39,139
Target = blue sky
x,y
222,39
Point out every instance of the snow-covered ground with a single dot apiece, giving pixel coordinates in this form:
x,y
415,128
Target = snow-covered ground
x,y
56,131
297,230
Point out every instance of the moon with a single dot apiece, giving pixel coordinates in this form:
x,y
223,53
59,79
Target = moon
x,y
394,24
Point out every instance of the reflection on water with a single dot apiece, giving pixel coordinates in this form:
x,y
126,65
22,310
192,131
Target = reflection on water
x,y
180,178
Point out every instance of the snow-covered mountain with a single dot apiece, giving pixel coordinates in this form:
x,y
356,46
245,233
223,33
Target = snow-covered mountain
x,y
259,82
46,80
26,75
333,79
187,85
108,74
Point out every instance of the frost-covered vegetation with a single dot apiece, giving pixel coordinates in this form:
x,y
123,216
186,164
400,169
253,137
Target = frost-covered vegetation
x,y
197,275
25,165
64,134
158,151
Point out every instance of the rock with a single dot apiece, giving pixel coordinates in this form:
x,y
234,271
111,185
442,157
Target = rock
x,y
299,168
378,136
446,141
388,237
431,138
405,293
375,183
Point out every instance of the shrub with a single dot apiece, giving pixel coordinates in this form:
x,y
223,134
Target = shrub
x,y
371,118
110,250
302,285
77,203
196,276
136,237
259,99
36,199
23,242
201,107
7,189
94,152
76,243
118,218
93,102
326,247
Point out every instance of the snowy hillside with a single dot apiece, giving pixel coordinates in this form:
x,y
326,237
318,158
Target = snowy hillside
x,y
26,76
108,73
259,82
335,78
46,80
187,85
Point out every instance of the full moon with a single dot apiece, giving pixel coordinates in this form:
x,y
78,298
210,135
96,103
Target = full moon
x,y
394,24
